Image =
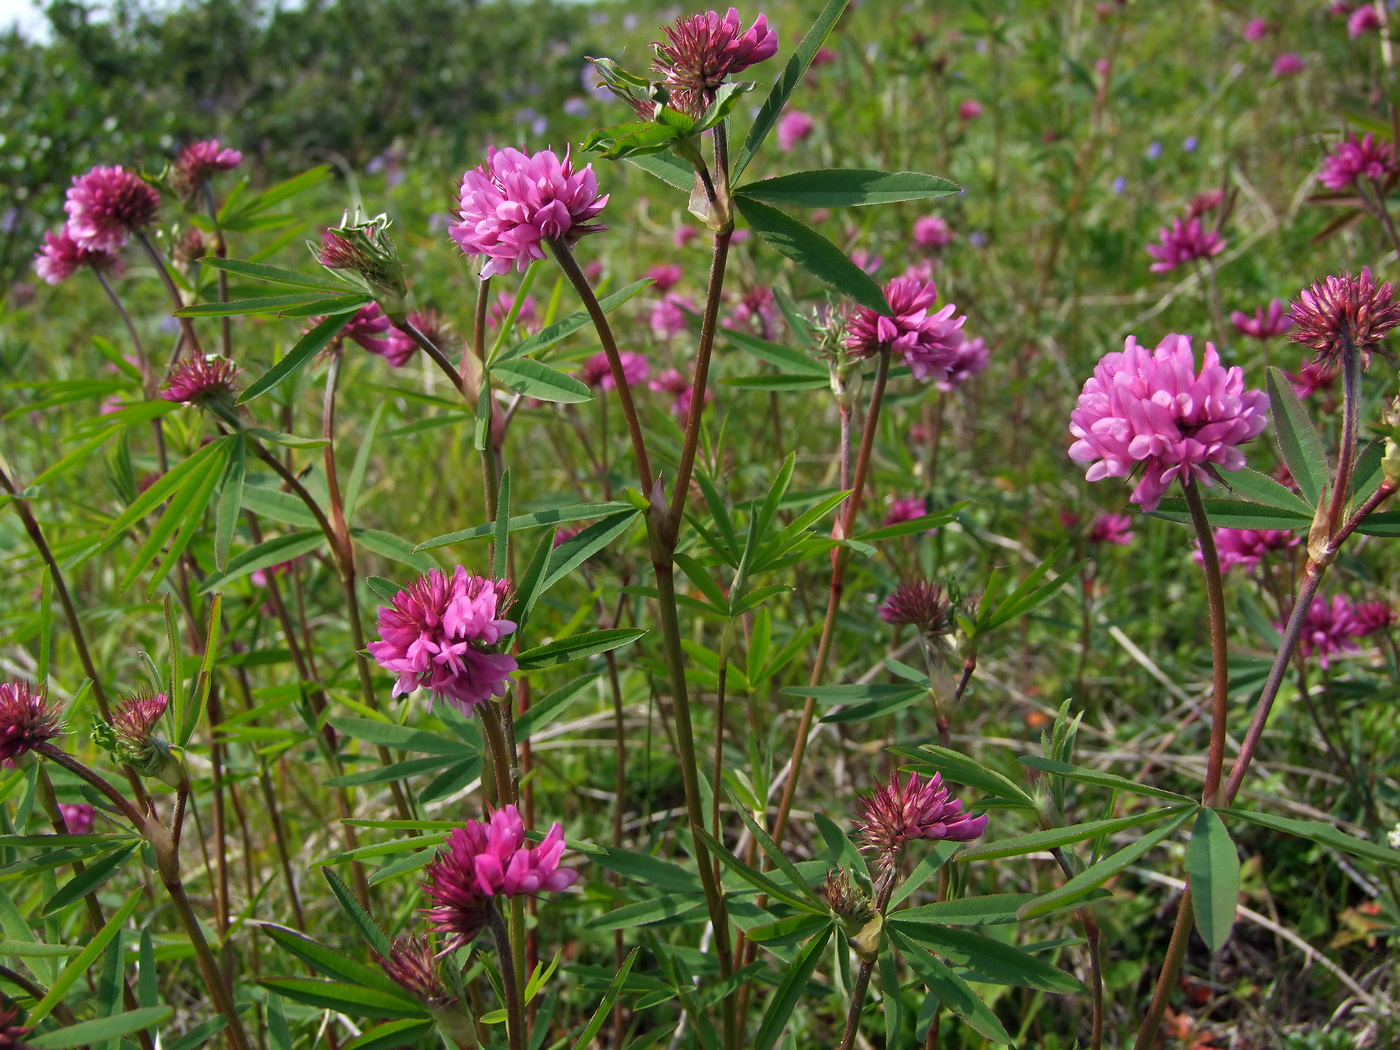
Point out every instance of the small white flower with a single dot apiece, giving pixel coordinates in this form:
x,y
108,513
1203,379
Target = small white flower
x,y
1394,837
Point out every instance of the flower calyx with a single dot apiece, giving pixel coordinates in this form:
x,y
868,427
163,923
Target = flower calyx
x,y
364,247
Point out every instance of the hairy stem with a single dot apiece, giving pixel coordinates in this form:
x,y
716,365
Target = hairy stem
x,y
1219,643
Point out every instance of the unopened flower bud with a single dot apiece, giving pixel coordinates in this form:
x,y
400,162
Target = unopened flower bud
x,y
365,247
130,738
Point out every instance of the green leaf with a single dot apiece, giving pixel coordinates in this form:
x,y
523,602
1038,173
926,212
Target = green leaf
x,y
174,530
784,86
1096,875
357,471
989,909
269,552
94,876
273,274
957,767
177,478
792,930
1094,776
270,198
951,990
636,138
777,384
848,188
1214,868
1260,488
354,910
530,583
754,877
352,999
1234,514
1298,439
391,1035
813,252
201,1034
605,1007
500,544
391,734
558,516
785,358
668,168
641,913
263,304
995,959
395,548
536,379
775,853
541,713
86,1032
559,330
654,872
298,357
331,963
1321,833
1036,841
383,774
791,989
80,963
230,503
925,523
576,647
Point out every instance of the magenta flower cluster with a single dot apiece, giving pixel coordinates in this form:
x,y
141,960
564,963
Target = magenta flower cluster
x,y
437,634
488,859
1355,158
1247,547
1184,241
1333,626
928,341
1266,323
918,808
1151,409
701,51
517,200
597,373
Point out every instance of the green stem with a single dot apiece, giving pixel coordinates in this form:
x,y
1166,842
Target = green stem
x,y
186,325
515,1014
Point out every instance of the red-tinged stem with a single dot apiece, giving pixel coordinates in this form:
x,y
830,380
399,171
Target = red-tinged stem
x,y
1219,642
1171,966
186,325
434,353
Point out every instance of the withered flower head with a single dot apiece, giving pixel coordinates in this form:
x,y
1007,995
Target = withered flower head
x,y
414,967
1341,311
920,604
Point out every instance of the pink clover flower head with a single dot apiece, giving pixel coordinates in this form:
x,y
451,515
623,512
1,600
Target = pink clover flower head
x,y
367,327
664,278
199,380
702,50
1354,158
1288,64
437,634
1256,29
916,809
681,389
1372,617
61,257
1266,323
398,347
921,604
1329,628
933,232
756,311
794,126
486,859
107,205
1365,19
668,315
27,719
1247,547
516,200
500,310
928,342
1184,241
199,161
1112,528
969,109
79,817
135,718
1151,408
905,508
969,359
1203,202
597,373
685,234
1341,309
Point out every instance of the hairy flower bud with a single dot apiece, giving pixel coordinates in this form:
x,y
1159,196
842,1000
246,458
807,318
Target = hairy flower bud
x,y
129,738
364,246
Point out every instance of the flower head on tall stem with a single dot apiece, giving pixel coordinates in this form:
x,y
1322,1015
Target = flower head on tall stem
x,y
438,634
1267,322
1288,64
1365,19
1184,241
921,604
364,247
200,161
933,232
1152,409
130,737
485,859
918,808
1371,617
1116,529
794,126
702,50
597,373
61,257
516,200
1355,158
199,380
27,719
1329,628
928,342
1341,310
107,205
1247,547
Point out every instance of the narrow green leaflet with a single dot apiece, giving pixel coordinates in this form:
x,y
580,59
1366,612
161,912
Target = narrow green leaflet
x,y
754,877
995,959
1228,513
792,988
80,963
653,910
391,1035
952,990
559,330
557,516
848,188
1298,439
1094,776
785,358
668,168
178,477
391,734
1214,867
1096,875
86,1032
576,647
987,910
230,503
269,552
813,252
1260,488
332,963
605,1007
784,86
352,999
298,357
653,872
1035,841
536,379
960,769
262,304
273,274
542,712
395,548
94,876
1322,834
